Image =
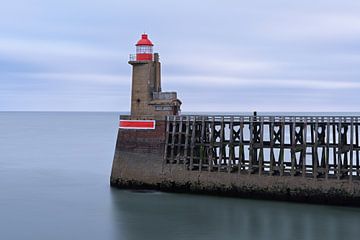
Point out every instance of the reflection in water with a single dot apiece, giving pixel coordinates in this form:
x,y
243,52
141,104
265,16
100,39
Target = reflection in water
x,y
181,216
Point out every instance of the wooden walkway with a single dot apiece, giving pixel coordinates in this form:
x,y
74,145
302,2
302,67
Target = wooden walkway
x,y
299,146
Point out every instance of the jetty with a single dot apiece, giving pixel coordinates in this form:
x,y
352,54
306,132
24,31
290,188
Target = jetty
x,y
295,158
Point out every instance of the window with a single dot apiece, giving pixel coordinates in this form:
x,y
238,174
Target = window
x,y
144,49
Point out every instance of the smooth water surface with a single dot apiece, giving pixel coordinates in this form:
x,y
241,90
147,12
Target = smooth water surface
x,y
54,184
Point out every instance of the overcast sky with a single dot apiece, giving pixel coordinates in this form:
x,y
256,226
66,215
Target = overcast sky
x,y
262,55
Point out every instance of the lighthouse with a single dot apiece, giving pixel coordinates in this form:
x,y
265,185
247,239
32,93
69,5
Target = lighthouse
x,y
147,99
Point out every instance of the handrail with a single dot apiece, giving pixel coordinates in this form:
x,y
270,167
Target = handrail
x,y
251,118
132,58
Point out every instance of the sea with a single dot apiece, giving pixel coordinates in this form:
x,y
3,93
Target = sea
x,y
54,184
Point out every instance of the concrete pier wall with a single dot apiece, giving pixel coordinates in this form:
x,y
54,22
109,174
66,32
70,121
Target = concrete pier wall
x,y
140,162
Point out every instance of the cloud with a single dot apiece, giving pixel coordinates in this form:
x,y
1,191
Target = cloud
x,y
74,77
60,56
204,63
38,49
235,53
225,82
310,27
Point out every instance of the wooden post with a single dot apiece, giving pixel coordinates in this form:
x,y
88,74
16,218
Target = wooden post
x,y
231,144
202,146
211,160
167,139
334,146
339,151
179,145
293,154
282,139
251,144
357,147
241,162
221,144
315,150
327,149
304,148
193,130
173,140
186,140
261,153
351,148
271,134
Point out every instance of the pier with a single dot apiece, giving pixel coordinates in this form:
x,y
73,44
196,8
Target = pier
x,y
293,158
298,146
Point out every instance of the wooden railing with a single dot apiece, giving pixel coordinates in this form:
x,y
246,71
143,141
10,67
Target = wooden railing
x,y
307,146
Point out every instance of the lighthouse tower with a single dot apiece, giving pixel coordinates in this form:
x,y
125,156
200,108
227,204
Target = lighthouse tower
x,y
147,99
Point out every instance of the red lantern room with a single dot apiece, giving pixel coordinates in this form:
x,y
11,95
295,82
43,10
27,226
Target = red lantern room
x,y
144,49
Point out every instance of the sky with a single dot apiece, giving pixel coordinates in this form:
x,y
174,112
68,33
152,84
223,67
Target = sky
x,y
222,56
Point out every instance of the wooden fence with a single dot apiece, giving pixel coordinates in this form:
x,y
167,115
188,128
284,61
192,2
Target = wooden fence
x,y
300,146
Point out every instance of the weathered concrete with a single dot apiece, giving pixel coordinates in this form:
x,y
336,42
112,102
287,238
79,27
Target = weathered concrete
x,y
147,99
139,163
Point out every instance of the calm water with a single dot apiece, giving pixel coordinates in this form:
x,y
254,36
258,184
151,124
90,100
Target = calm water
x,y
54,184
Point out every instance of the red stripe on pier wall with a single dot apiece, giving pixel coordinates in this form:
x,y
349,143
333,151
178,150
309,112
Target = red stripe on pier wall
x,y
137,124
